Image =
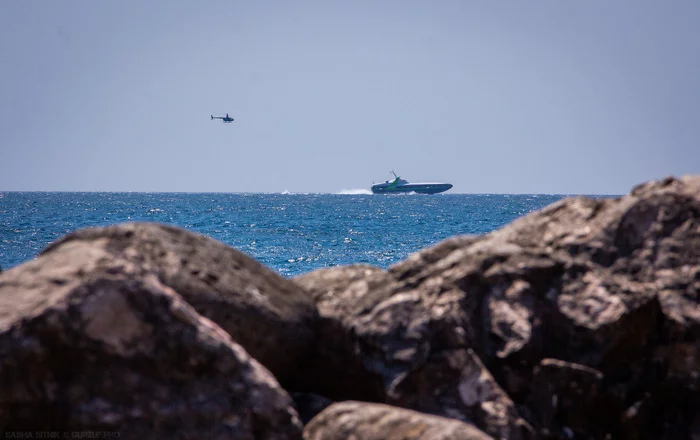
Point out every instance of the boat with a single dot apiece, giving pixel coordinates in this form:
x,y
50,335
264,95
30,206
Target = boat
x,y
399,185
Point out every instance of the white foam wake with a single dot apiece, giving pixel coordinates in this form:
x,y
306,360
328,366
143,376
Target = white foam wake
x,y
355,191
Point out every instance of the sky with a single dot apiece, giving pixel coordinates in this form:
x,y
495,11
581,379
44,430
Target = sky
x,y
546,96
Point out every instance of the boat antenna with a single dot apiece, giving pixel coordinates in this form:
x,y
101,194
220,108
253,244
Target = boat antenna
x,y
392,172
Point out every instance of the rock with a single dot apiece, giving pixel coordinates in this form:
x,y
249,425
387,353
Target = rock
x,y
308,405
666,412
334,369
327,282
362,420
455,383
605,286
402,349
566,398
270,316
90,342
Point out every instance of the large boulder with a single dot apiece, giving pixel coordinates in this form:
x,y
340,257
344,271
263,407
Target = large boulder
x,y
375,345
604,292
90,342
360,420
335,369
270,316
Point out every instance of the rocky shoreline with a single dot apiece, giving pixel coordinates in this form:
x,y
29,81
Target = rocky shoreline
x,y
579,321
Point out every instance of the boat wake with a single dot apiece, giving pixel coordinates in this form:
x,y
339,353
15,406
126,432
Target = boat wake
x,y
355,191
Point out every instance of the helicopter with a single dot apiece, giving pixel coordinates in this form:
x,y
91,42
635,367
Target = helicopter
x,y
226,118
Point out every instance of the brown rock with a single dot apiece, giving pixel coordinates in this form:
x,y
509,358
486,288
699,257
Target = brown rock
x,y
334,369
402,349
611,285
566,398
92,342
330,281
308,405
455,383
666,412
362,420
270,316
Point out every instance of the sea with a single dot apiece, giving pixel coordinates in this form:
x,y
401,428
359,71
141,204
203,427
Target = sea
x,y
289,233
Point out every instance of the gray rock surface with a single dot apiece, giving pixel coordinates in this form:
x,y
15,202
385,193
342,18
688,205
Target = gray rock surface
x,y
335,369
376,344
610,285
270,316
360,420
90,342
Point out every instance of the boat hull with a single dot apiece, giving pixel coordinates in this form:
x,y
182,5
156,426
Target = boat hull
x,y
425,188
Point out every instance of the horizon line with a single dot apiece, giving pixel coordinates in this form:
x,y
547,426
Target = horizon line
x,y
285,192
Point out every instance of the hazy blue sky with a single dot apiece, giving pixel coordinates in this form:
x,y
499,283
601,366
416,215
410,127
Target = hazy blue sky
x,y
545,96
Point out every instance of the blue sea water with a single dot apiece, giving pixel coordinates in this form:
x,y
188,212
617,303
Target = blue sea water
x,y
290,233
